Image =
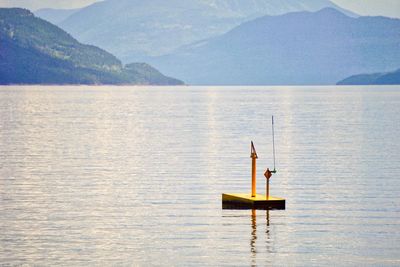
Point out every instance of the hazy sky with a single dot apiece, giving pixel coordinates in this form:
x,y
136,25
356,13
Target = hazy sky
x,y
37,4
389,8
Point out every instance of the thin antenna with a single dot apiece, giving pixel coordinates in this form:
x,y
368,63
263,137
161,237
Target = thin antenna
x,y
273,141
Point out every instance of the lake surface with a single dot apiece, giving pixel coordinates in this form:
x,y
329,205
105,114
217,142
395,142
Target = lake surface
x,y
128,176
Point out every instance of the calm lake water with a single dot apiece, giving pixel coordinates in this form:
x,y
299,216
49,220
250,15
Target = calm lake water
x,y
128,176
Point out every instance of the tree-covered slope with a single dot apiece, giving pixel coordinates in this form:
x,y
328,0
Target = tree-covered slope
x,y
387,78
34,51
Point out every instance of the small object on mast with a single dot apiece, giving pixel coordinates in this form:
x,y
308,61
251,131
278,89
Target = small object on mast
x,y
268,175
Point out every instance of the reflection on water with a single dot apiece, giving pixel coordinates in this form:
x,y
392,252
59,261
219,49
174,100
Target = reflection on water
x,y
268,240
253,239
122,176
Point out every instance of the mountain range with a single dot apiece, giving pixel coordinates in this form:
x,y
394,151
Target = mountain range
x,y
198,42
34,51
135,29
299,48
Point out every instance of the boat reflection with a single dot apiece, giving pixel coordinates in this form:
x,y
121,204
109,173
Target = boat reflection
x,y
254,237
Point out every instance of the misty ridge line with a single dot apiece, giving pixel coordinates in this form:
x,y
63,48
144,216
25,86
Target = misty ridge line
x,y
134,30
221,42
185,40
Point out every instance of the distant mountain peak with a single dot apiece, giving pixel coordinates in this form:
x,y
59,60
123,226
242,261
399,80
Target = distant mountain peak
x,y
298,48
330,11
55,16
137,29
